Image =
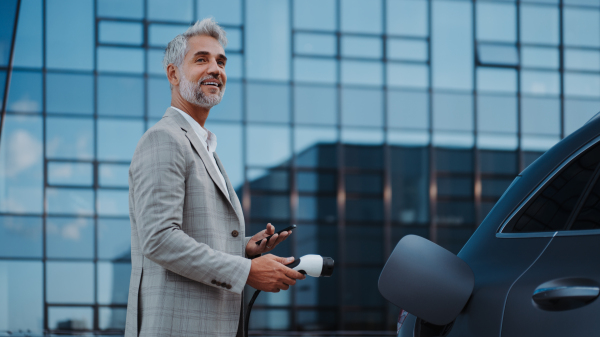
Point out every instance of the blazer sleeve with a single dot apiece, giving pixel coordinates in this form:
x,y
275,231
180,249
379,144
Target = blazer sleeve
x,y
158,171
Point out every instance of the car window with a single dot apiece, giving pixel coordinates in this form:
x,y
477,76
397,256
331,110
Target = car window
x,y
549,209
589,216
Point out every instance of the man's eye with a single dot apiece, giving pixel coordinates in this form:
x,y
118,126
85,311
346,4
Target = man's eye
x,y
200,60
221,63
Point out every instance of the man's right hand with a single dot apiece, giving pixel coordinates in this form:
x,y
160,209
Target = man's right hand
x,y
269,273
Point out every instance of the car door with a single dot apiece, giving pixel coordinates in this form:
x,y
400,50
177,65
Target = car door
x,y
557,294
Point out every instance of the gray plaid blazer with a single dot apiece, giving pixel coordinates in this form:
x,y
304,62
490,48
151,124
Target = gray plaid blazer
x,y
187,238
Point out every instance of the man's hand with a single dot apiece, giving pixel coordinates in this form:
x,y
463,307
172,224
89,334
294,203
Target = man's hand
x,y
252,249
269,273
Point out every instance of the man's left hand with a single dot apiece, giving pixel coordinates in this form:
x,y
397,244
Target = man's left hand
x,y
252,249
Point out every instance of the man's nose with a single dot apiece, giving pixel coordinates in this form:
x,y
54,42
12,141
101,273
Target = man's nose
x,y
213,68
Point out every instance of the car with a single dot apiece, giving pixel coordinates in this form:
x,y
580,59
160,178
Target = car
x,y
532,267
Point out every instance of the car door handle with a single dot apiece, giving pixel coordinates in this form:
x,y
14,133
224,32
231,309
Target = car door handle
x,y
564,297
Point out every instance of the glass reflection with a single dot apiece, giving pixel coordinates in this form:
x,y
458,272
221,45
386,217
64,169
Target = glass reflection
x,y
61,173
113,175
70,93
315,104
114,239
362,107
70,238
74,201
69,138
113,202
274,109
28,47
120,96
20,236
176,10
315,14
25,94
112,318
361,17
70,318
118,138
113,282
77,288
228,12
22,296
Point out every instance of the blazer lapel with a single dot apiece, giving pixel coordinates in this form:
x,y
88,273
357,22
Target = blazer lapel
x,y
197,145
232,196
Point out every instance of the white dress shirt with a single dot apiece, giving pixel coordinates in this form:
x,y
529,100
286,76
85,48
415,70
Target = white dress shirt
x,y
208,140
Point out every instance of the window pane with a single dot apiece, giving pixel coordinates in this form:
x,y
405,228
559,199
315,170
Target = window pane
x,y
274,109
455,213
363,156
120,96
578,112
581,27
404,49
363,209
358,293
70,93
28,47
70,201
114,239
70,43
22,298
550,208
269,180
160,34
359,46
539,24
497,54
588,216
496,80
410,184
227,12
361,17
315,320
539,57
494,187
113,175
175,10
454,187
60,173
268,145
25,94
496,22
154,64
8,11
70,282
408,109
20,236
70,237
407,18
159,96
540,82
234,39
21,163
497,113
315,14
112,318
317,208
273,207
270,319
133,9
69,138
121,60
113,282
362,73
315,44
366,234
498,162
2,84
583,85
408,75
117,139
540,115
365,136
113,203
362,107
70,318
310,70
315,146
115,32
364,183
453,112
315,104
316,182
582,59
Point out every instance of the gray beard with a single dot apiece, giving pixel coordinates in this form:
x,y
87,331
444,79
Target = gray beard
x,y
192,92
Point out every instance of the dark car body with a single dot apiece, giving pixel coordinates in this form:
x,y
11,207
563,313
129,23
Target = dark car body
x,y
542,236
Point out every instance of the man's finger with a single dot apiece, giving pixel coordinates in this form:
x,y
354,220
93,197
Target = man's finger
x,y
270,229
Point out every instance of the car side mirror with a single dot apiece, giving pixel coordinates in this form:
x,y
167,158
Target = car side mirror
x,y
426,280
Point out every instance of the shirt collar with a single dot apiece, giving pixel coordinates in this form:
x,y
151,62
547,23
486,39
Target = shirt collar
x,y
208,139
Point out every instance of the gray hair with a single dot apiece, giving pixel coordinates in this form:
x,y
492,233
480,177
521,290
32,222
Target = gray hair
x,y
178,47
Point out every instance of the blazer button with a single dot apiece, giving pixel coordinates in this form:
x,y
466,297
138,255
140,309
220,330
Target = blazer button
x,y
235,234
229,286
218,284
224,285
213,282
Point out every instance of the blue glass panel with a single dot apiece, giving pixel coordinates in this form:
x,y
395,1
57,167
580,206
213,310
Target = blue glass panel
x,y
2,84
496,22
70,237
269,180
121,32
315,44
540,115
490,54
496,80
274,207
25,94
113,202
69,138
121,60
70,201
368,234
131,9
274,109
315,146
268,145
317,208
362,136
453,112
539,24
8,9
408,137
22,298
312,70
271,319
113,282
362,107
315,104
234,66
174,10
120,96
452,40
578,112
315,14
21,160
313,181
20,236
28,47
234,39
70,318
77,288
114,239
497,113
229,149
583,85
408,75
361,46
539,57
159,96
364,209
161,34
155,58
230,108
540,82
594,3
581,27
113,175
261,37
117,138
69,93
582,59
61,173
362,73
70,43
112,318
361,17
404,49
407,18
228,12
408,109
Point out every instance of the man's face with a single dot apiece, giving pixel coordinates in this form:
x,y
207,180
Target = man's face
x,y
203,72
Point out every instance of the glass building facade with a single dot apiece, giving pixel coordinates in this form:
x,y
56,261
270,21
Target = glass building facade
x,y
358,120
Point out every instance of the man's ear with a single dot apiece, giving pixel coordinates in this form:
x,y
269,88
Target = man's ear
x,y
173,74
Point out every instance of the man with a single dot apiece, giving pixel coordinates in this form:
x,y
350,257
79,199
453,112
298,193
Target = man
x,y
188,249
